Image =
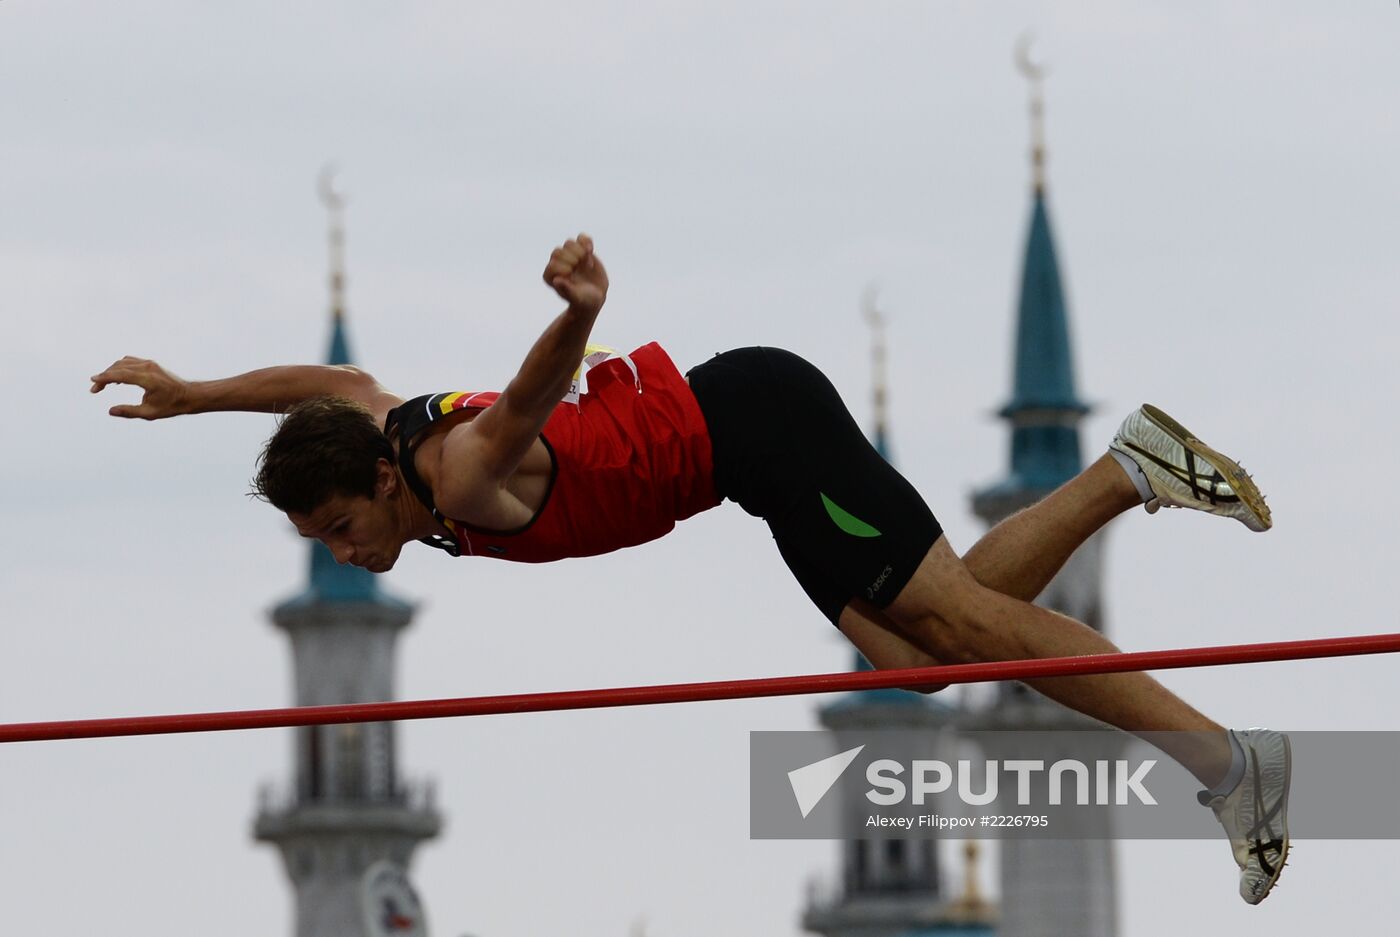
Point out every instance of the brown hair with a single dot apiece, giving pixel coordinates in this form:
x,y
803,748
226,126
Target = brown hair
x,y
324,446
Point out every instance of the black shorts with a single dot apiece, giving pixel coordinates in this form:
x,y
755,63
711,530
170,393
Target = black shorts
x,y
787,450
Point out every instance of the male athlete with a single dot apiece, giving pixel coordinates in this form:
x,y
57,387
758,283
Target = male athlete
x,y
557,466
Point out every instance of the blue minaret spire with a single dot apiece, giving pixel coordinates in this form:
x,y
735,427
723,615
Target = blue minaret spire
x,y
1044,409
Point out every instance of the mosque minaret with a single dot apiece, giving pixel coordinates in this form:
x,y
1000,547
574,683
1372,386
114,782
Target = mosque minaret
x,y
1048,887
347,825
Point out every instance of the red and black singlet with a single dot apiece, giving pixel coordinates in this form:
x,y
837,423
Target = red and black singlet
x,y
630,457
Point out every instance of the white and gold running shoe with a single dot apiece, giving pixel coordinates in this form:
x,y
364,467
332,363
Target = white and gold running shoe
x,y
1255,813
1184,472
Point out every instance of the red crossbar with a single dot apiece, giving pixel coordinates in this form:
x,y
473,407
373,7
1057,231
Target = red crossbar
x,y
695,692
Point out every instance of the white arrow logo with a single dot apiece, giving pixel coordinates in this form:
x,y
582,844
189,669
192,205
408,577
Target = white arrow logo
x,y
811,782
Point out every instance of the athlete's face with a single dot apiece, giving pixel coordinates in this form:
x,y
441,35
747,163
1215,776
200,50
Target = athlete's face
x,y
358,530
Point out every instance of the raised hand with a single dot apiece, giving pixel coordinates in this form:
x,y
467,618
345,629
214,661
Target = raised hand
x,y
577,274
165,394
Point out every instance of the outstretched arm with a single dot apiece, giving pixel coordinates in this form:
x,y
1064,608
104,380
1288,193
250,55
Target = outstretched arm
x,y
269,390
480,456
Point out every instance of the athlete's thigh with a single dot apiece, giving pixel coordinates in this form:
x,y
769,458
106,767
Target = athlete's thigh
x,y
844,508
787,449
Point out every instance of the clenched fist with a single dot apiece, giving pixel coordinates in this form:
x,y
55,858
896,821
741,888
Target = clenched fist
x,y
577,274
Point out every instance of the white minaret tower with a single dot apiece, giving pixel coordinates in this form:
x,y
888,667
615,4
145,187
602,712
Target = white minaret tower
x,y
1049,888
347,827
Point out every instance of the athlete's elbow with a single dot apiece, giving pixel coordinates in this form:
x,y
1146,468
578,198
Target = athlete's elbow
x,y
357,384
355,378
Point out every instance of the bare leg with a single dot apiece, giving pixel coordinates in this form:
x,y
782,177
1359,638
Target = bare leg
x,y
948,613
1023,553
1019,556
882,643
951,612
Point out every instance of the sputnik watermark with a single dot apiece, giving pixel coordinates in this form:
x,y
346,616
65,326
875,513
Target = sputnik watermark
x,y
855,783
932,777
1112,782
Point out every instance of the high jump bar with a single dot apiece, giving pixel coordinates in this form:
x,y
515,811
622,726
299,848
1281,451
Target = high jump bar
x,y
699,692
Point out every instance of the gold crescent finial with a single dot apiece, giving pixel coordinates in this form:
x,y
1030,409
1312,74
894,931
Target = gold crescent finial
x,y
1030,69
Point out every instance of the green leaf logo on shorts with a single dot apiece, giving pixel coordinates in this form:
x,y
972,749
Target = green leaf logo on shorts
x,y
848,522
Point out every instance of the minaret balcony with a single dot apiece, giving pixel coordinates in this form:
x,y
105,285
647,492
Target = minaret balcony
x,y
409,810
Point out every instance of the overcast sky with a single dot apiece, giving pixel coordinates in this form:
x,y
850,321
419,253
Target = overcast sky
x,y
1222,187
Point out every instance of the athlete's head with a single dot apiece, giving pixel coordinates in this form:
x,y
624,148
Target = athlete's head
x,y
331,470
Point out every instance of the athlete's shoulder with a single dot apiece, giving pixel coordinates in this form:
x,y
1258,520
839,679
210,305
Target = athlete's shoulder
x,y
414,415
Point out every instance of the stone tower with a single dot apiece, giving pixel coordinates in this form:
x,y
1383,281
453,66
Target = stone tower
x,y
1048,887
348,825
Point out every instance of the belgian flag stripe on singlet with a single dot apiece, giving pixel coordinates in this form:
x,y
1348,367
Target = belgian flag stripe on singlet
x,y
461,400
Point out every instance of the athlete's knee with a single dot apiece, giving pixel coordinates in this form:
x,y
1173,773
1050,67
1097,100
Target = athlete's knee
x,y
948,611
962,627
